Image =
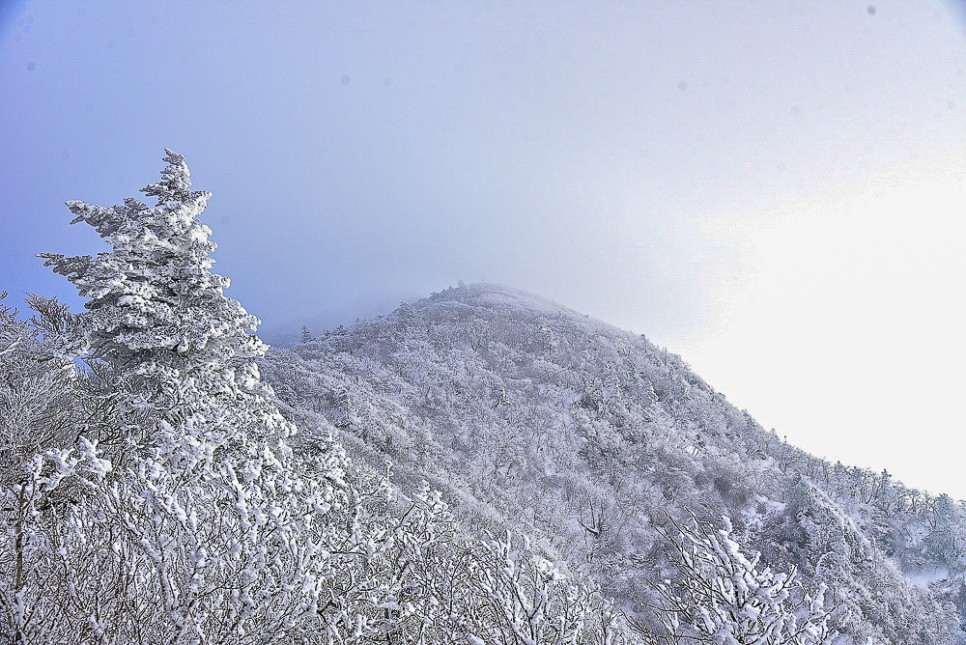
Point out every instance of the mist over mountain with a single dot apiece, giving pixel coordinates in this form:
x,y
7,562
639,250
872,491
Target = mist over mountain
x,y
479,467
597,444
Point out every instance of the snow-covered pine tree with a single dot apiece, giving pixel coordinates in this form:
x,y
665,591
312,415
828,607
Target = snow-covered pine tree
x,y
209,532
155,311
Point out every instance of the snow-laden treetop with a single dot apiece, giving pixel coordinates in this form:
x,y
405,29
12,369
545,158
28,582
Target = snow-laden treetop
x,y
154,296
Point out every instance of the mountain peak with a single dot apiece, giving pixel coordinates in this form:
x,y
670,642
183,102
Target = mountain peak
x,y
495,294
532,417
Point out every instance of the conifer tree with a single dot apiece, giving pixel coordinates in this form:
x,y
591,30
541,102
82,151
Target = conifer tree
x,y
156,312
209,474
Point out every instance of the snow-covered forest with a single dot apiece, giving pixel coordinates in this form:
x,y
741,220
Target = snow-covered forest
x,y
480,466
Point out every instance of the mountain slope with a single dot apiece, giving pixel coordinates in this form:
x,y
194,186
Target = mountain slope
x,y
591,440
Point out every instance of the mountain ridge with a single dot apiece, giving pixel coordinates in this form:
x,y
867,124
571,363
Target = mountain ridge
x,y
531,416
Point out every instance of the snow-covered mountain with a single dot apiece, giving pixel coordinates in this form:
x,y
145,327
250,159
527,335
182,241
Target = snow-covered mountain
x,y
479,467
597,444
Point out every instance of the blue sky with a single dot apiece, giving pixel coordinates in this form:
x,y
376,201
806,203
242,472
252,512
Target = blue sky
x,y
773,190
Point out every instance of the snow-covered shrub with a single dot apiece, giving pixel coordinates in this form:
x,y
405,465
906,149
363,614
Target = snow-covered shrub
x,y
722,596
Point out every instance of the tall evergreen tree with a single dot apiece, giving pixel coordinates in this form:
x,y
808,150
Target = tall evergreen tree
x,y
155,311
209,474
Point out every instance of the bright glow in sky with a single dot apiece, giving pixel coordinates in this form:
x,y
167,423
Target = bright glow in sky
x,y
773,190
844,325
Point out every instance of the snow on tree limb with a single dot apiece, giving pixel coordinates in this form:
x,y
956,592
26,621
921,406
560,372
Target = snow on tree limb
x,y
724,597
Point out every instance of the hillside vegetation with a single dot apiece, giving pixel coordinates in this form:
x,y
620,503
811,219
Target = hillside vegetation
x,y
480,467
596,443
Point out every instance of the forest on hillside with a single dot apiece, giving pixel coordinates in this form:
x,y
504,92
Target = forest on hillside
x,y
478,467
